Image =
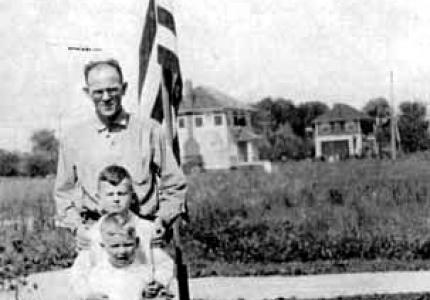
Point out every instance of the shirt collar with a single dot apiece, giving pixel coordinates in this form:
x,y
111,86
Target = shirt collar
x,y
121,122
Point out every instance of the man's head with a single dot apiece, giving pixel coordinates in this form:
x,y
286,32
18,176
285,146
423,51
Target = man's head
x,y
118,239
115,189
105,87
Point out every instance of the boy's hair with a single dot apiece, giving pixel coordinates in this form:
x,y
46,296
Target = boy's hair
x,y
114,175
108,62
116,224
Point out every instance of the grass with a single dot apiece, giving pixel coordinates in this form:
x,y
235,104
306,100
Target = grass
x,y
305,218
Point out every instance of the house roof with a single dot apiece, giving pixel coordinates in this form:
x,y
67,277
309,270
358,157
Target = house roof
x,y
207,99
243,134
341,112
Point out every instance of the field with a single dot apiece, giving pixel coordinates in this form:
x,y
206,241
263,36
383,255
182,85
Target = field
x,y
305,218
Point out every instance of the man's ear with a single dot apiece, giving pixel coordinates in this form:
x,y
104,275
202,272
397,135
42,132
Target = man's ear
x,y
124,87
86,91
137,241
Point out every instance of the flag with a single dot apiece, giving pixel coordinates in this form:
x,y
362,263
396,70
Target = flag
x,y
159,64
159,71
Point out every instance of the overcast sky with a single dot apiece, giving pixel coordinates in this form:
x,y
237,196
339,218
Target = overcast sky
x,y
327,50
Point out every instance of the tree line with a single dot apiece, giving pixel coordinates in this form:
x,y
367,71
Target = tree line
x,y
41,161
286,130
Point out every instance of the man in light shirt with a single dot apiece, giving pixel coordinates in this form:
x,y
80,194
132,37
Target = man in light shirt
x,y
114,136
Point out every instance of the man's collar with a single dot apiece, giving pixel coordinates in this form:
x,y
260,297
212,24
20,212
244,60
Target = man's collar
x,y
121,121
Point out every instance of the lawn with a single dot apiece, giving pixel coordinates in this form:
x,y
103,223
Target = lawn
x,y
304,218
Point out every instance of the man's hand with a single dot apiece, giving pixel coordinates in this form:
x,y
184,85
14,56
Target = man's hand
x,y
151,289
83,240
159,234
165,294
97,296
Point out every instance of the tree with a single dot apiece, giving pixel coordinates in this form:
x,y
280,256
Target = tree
x,y
380,110
261,117
8,163
307,112
286,144
413,127
284,111
43,159
277,120
377,108
44,141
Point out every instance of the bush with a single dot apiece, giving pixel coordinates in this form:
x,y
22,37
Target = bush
x,y
8,163
324,215
38,165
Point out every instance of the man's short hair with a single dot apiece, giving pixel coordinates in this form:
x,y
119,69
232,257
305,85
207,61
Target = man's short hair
x,y
108,62
117,225
114,174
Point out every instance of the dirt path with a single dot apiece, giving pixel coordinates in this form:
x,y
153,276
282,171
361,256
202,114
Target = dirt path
x,y
53,285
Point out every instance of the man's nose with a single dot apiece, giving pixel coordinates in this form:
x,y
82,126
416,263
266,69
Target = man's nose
x,y
105,96
122,250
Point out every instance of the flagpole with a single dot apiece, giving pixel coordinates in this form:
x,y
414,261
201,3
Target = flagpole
x,y
181,268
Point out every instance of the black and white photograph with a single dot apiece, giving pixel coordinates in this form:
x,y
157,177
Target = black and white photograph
x,y
215,150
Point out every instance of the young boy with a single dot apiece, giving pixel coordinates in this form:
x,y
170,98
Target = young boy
x,y
116,196
121,275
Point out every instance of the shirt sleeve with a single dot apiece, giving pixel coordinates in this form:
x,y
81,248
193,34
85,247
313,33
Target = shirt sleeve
x,y
66,188
78,276
164,266
86,261
172,183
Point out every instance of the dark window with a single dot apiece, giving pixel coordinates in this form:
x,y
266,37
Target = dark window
x,y
218,120
239,119
198,121
181,123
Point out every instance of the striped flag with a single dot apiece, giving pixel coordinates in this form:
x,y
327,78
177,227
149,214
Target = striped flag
x,y
159,64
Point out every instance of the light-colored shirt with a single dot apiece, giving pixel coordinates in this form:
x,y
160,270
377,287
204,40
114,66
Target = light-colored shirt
x,y
139,146
125,283
91,272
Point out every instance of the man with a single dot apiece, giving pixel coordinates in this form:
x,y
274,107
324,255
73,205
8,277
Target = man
x,y
114,136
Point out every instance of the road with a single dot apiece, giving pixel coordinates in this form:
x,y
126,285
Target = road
x,y
53,286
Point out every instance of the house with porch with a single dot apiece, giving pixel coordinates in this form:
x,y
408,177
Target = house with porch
x,y
343,132
215,129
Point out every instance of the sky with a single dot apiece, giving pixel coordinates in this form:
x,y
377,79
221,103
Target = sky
x,y
326,50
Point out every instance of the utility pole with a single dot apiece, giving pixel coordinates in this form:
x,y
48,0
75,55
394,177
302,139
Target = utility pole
x,y
393,119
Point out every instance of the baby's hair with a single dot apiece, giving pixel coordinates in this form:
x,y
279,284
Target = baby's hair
x,y
108,62
116,224
114,174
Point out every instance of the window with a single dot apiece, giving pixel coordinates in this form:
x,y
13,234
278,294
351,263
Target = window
x,y
350,127
218,120
239,119
337,127
198,121
181,123
324,128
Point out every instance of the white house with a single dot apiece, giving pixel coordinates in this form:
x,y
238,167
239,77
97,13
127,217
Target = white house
x,y
343,132
216,128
